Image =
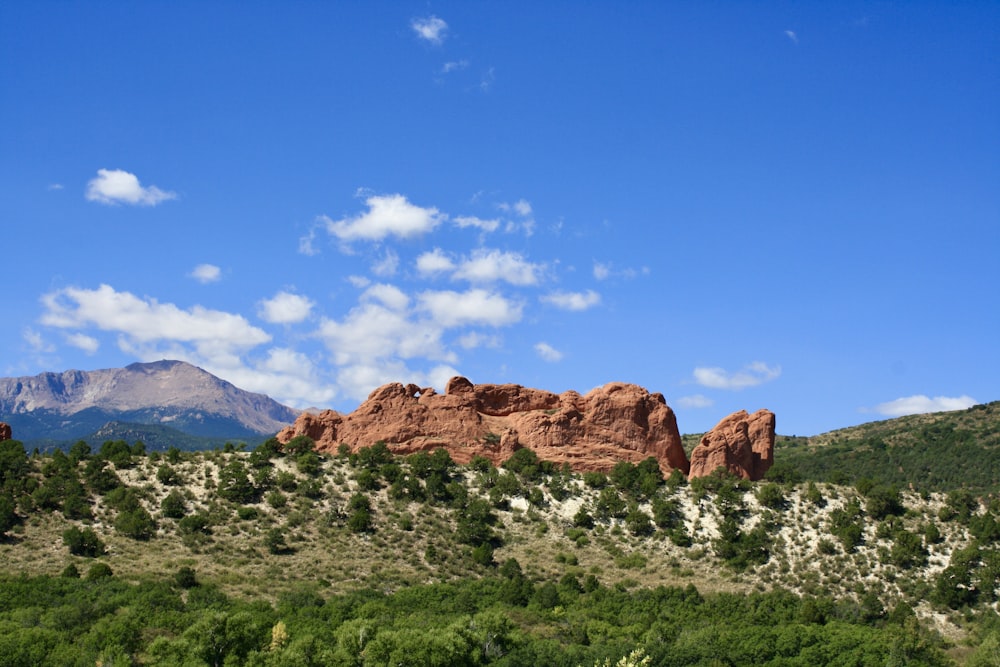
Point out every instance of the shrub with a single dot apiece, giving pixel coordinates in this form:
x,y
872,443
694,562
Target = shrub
x,y
309,463
360,518
185,577
483,554
274,540
234,483
286,481
582,518
300,444
638,522
277,499
525,463
772,496
173,506
610,504
595,480
166,475
136,524
75,506
480,463
195,523
882,501
8,514
247,513
99,571
826,547
83,542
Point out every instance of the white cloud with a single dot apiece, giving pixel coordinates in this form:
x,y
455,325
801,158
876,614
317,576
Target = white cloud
x,y
306,243
114,186
382,328
603,271
37,342
572,300
790,34
374,343
476,306
285,308
386,267
465,221
522,211
206,273
920,404
483,266
488,266
286,375
751,376
474,339
388,295
454,65
387,215
430,29
147,320
88,344
217,341
433,262
55,186
695,401
360,282
547,352
486,81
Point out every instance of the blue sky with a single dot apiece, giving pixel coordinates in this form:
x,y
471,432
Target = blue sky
x,y
739,205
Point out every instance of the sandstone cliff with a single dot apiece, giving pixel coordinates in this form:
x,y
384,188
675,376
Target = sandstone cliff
x,y
616,422
741,443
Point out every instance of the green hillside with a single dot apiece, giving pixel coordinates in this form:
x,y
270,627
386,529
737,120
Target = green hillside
x,y
272,557
942,452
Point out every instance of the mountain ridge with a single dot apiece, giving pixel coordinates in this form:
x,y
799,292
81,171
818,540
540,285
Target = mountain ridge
x,y
72,404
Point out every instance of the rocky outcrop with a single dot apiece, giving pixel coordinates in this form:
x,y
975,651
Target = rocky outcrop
x,y
616,422
5,433
741,443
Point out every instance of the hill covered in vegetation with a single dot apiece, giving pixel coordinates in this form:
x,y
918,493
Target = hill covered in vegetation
x,y
281,556
942,452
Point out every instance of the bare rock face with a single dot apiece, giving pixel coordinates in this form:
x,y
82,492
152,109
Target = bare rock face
x,y
616,422
5,433
741,443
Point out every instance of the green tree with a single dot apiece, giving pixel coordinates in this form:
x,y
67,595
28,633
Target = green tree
x,y
135,523
13,461
275,542
117,452
300,444
638,522
772,496
234,483
99,571
173,505
185,577
83,542
8,515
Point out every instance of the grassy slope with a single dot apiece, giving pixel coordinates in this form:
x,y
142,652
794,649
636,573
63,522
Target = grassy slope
x,y
415,542
933,452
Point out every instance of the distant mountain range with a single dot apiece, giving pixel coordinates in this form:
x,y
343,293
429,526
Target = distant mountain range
x,y
162,403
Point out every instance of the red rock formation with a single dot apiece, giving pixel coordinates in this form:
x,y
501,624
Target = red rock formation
x,y
741,443
5,433
612,423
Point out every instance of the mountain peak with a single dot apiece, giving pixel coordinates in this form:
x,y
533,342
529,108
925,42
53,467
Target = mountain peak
x,y
159,392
